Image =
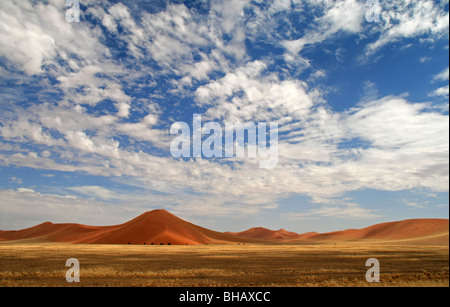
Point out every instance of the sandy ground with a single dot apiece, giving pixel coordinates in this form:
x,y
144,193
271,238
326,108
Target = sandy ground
x,y
30,263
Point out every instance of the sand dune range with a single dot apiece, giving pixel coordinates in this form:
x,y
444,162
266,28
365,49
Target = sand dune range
x,y
156,227
161,227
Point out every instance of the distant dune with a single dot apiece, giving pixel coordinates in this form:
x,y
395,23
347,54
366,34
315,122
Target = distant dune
x,y
262,233
161,227
419,231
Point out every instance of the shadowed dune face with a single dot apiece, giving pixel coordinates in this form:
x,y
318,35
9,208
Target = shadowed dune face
x,y
161,227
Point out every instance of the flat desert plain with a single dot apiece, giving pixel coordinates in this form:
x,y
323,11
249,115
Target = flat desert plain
x,y
32,263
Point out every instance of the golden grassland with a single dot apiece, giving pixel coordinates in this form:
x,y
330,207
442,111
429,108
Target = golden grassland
x,y
43,264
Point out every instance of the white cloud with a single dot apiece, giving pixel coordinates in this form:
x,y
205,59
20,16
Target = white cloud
x,y
16,180
444,90
231,13
95,192
17,39
407,19
246,95
345,211
85,87
344,16
441,92
45,35
443,76
25,190
425,60
318,74
416,205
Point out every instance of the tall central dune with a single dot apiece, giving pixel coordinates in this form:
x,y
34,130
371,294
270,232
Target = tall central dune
x,y
158,227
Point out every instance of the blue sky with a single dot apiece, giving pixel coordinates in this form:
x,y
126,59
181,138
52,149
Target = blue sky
x,y
362,107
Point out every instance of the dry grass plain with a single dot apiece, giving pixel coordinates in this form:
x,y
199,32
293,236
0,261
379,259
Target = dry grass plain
x,y
43,264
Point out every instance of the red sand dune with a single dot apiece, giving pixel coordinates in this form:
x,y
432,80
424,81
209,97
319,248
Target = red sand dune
x,y
161,227
420,231
267,234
